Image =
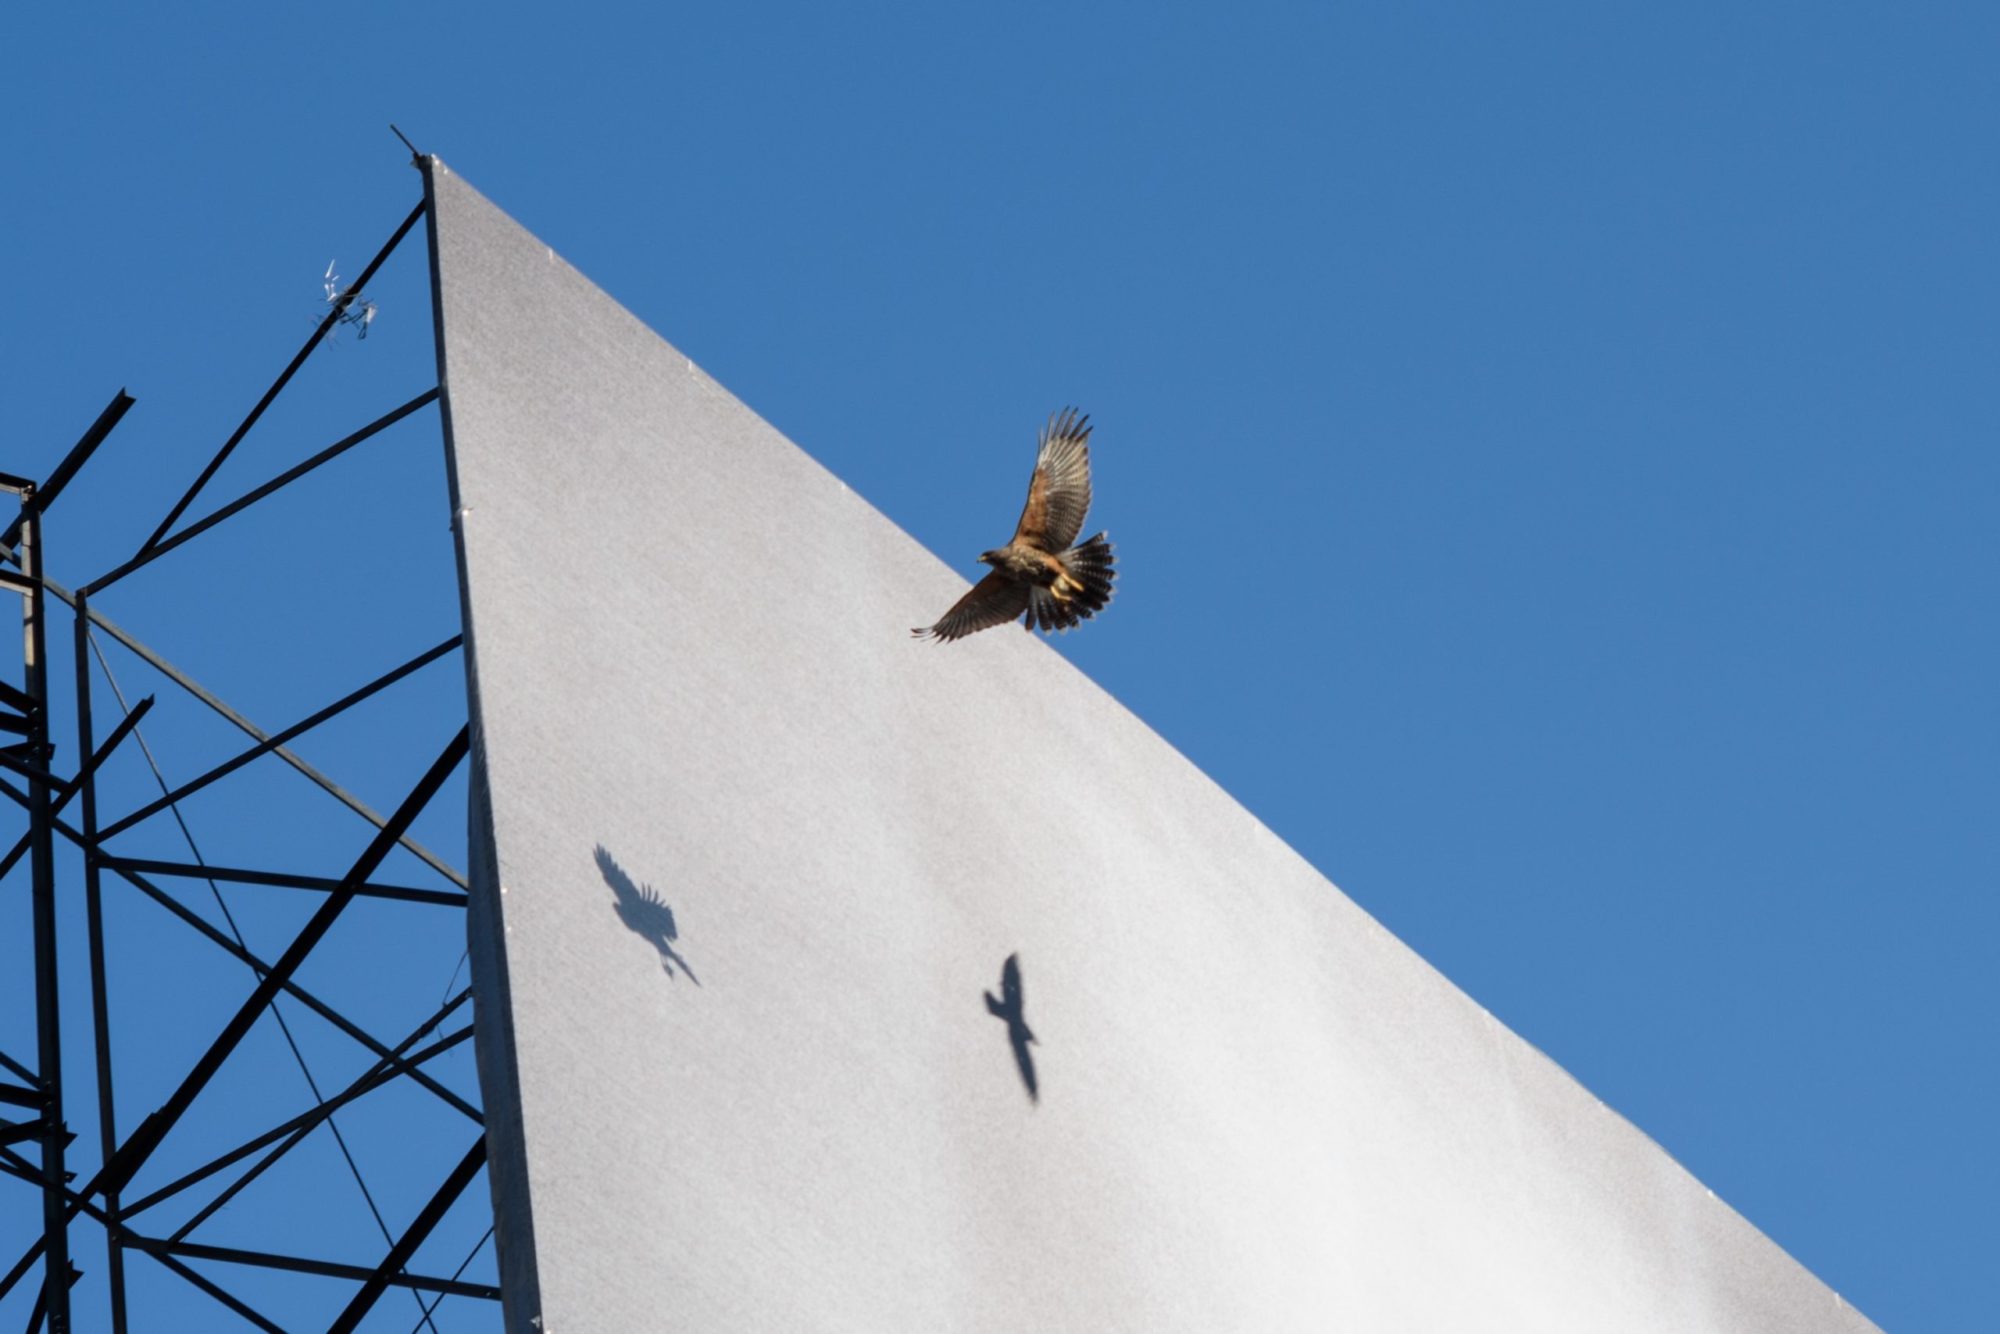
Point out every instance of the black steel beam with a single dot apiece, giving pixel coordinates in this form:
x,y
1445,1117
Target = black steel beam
x,y
243,502
298,1264
10,758
13,1132
284,378
42,871
406,1245
79,454
93,902
272,742
279,880
140,1144
213,1289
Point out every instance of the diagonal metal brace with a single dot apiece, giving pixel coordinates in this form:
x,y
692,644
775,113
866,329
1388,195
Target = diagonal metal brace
x,y
382,1072
90,766
78,455
284,378
272,742
406,1245
243,502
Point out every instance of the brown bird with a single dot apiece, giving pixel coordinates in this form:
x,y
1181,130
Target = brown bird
x,y
1039,576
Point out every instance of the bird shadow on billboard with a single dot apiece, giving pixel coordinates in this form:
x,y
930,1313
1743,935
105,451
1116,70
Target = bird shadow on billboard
x,y
645,914
1008,1008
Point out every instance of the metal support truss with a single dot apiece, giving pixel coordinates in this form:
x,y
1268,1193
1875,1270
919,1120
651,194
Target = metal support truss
x,y
32,755
131,1213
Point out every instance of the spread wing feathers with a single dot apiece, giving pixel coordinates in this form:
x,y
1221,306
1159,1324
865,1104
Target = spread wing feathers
x,y
994,600
1059,492
1091,564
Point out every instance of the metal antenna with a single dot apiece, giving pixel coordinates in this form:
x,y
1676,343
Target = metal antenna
x,y
415,156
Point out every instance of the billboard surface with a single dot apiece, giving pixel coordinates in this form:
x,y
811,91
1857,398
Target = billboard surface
x,y
829,980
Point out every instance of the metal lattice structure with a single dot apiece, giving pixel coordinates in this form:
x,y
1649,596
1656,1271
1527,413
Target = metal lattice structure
x,y
163,1174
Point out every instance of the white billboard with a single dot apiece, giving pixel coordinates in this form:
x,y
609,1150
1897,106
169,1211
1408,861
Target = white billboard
x,y
771,901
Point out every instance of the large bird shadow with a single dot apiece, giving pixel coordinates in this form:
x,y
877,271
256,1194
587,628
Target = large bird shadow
x,y
645,913
1007,1007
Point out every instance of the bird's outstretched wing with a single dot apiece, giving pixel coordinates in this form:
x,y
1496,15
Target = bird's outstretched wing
x,y
994,600
1059,492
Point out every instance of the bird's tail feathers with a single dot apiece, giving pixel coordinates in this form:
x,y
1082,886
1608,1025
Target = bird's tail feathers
x,y
1091,560
1090,569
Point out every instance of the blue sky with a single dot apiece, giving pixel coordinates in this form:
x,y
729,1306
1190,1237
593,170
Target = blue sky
x,y
1550,448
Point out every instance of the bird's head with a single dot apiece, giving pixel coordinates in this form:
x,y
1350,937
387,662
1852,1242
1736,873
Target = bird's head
x,y
989,558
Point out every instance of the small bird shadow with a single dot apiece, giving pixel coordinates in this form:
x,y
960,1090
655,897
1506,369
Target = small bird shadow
x,y
644,913
1019,1035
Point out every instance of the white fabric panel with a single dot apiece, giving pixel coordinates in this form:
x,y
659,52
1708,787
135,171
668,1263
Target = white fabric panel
x,y
696,699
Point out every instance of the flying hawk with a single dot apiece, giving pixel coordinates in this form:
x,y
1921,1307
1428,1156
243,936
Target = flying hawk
x,y
1039,576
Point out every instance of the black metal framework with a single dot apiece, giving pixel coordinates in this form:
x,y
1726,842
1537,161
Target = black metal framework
x,y
35,1141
